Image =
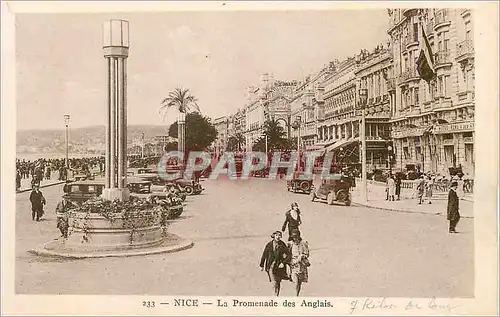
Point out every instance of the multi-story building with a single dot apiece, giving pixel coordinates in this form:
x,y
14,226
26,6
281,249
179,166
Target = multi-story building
x,y
254,116
433,122
374,74
338,126
221,125
304,104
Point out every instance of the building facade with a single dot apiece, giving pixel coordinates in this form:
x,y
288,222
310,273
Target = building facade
x,y
433,122
221,124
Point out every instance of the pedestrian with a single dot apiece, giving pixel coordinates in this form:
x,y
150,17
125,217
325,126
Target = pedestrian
x,y
429,184
391,186
292,219
299,263
398,186
453,214
274,259
420,189
62,216
37,201
18,180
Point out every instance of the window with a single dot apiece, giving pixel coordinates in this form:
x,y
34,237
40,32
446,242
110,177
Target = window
x,y
468,31
415,31
416,96
446,40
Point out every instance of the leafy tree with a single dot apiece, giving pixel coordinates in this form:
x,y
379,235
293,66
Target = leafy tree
x,y
171,146
235,142
200,132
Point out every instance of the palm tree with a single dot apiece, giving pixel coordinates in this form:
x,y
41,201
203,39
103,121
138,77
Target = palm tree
x,y
276,135
183,101
236,141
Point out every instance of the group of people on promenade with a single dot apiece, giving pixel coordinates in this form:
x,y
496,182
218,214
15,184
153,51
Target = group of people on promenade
x,y
287,261
44,169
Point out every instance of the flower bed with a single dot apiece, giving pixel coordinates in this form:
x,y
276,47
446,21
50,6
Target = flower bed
x,y
116,224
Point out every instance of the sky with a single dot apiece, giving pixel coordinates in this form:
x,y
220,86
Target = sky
x,y
60,66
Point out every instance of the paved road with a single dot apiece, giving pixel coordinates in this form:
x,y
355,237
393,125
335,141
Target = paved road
x,y
355,251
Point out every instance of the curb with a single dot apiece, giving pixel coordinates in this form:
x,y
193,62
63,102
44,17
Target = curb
x,y
405,211
41,186
184,245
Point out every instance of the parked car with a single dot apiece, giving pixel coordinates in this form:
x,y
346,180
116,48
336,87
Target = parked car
x,y
169,202
81,191
144,173
299,183
191,187
336,189
178,190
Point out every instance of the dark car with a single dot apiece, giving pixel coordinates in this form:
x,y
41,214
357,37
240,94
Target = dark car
x,y
81,191
191,187
300,183
169,202
332,190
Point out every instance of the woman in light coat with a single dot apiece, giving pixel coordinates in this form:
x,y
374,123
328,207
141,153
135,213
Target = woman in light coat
x,y
391,186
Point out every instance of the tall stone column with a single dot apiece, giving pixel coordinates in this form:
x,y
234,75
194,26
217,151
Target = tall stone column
x,y
115,47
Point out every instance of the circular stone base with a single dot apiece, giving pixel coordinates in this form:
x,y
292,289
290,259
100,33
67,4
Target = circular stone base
x,y
171,243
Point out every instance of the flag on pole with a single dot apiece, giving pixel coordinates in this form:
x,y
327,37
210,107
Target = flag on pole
x,y
425,61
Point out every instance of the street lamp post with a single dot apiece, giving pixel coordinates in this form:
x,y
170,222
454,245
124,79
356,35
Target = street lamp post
x,y
142,145
363,96
389,158
66,123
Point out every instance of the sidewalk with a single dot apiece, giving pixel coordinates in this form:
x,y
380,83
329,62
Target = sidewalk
x,y
376,199
26,184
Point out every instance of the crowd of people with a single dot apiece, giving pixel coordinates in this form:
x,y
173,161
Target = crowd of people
x,y
287,261
45,169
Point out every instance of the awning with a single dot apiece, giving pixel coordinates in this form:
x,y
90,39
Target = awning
x,y
340,144
324,144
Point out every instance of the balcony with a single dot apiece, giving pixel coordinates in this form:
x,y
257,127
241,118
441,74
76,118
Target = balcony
x,y
465,50
442,18
442,58
410,12
464,12
409,74
410,40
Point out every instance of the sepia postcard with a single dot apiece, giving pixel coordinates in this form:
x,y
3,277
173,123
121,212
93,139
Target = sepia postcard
x,y
249,158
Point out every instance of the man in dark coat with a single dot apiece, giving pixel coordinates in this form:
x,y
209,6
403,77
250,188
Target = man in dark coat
x,y
453,215
274,259
37,201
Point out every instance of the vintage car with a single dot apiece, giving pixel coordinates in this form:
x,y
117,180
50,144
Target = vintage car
x,y
191,187
81,191
335,189
139,186
177,189
147,174
299,183
170,202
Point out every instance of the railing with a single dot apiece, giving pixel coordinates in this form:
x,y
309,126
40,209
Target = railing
x,y
407,74
442,16
465,47
442,57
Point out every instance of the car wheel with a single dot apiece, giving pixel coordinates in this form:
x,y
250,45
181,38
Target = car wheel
x,y
189,190
348,201
342,196
304,186
313,196
330,198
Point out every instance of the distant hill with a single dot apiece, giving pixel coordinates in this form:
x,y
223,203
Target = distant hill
x,y
88,139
